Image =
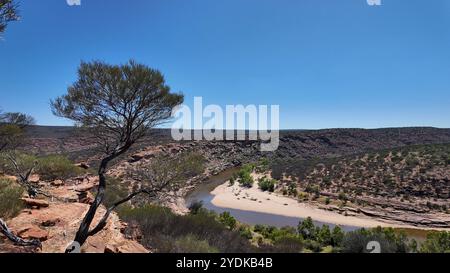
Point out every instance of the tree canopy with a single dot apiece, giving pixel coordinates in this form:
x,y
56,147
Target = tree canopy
x,y
8,13
119,104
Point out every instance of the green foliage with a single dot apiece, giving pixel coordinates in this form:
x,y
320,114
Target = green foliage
x,y
244,176
263,165
337,236
9,135
195,207
307,229
49,168
115,191
227,220
288,244
161,229
315,189
10,203
266,184
191,244
232,181
8,13
384,172
324,236
292,189
343,196
246,232
56,167
24,162
390,241
436,242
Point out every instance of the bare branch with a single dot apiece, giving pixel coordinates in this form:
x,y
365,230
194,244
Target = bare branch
x,y
15,239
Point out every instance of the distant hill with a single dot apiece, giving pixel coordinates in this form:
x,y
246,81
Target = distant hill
x,y
293,143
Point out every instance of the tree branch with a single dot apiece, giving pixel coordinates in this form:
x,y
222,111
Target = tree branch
x,y
15,239
104,219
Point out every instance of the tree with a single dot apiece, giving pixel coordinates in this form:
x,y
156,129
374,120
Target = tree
x,y
227,220
337,236
307,229
12,126
8,13
324,235
436,242
119,104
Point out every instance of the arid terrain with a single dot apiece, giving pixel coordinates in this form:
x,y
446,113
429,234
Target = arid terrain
x,y
399,176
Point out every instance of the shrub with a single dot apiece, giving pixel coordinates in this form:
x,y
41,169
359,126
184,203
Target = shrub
x,y
115,191
390,242
266,184
307,229
232,181
246,232
195,207
161,227
324,236
227,220
245,176
436,242
337,236
191,244
343,196
10,203
288,244
56,167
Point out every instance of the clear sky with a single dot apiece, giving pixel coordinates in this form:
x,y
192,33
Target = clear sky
x,y
327,63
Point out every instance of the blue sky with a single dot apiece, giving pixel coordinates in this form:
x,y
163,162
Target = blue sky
x,y
327,63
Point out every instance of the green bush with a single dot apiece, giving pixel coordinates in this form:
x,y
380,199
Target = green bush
x,y
307,229
161,228
246,232
190,244
115,191
244,176
343,196
227,220
266,184
56,167
10,203
390,241
436,242
288,244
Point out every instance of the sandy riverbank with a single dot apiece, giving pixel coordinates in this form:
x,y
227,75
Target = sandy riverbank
x,y
253,199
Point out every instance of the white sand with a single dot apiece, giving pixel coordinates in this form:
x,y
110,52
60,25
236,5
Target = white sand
x,y
253,199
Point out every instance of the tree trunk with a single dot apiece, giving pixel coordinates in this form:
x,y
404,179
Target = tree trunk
x,y
83,231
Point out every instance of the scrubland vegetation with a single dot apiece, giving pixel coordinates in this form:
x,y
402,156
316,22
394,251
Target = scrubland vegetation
x,y
205,231
10,194
420,173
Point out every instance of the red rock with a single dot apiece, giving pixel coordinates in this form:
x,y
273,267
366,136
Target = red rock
x,y
35,203
84,188
34,178
50,222
33,232
126,247
57,183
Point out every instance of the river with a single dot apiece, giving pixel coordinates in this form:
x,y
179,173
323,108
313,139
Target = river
x,y
203,193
